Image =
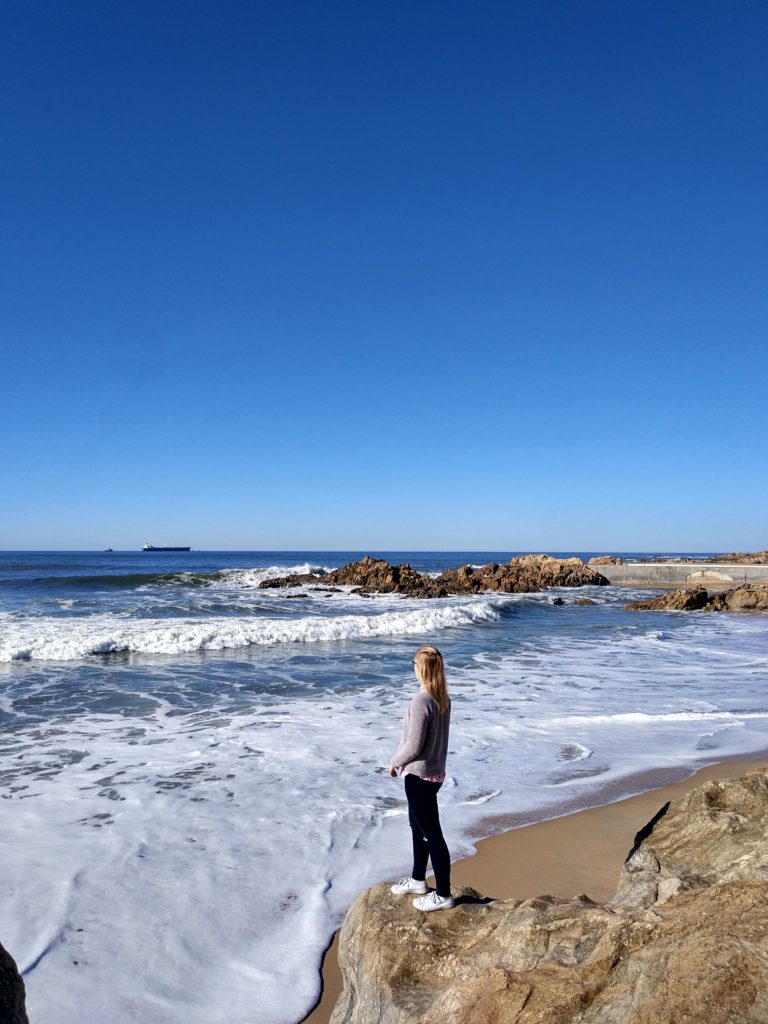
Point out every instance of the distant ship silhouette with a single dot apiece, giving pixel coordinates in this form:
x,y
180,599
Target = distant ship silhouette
x,y
163,547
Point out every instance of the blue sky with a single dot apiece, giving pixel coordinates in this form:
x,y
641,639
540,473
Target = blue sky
x,y
412,275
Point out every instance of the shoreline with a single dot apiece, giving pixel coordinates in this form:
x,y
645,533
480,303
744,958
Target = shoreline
x,y
576,851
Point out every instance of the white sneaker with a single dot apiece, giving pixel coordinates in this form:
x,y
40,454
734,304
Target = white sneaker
x,y
433,902
408,885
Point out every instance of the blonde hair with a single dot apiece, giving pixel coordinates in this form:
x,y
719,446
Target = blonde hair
x,y
428,662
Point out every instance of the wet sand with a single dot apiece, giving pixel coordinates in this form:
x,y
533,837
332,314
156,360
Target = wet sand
x,y
580,852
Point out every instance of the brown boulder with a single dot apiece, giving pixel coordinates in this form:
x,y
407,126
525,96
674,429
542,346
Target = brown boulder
x,y
12,994
748,597
524,574
294,580
368,576
685,599
685,940
376,575
606,560
744,558
521,575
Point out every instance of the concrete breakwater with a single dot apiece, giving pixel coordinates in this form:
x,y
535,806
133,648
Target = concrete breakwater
x,y
674,574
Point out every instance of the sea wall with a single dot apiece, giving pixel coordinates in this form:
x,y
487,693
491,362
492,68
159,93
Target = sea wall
x,y
673,574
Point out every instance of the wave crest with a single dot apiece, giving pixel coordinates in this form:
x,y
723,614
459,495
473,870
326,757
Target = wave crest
x,y
238,579
49,639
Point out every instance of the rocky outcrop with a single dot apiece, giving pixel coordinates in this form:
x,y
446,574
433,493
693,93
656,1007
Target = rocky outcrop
x,y
686,599
369,576
684,941
12,995
748,597
606,560
744,558
734,558
520,575
377,576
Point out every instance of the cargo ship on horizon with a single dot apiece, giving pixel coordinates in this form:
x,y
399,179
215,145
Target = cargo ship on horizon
x,y
163,547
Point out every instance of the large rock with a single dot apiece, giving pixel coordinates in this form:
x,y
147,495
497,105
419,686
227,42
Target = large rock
x,y
686,599
684,941
369,576
523,574
748,597
377,576
744,558
606,560
12,995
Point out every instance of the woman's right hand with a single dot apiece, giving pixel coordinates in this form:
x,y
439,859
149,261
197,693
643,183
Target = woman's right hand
x,y
393,772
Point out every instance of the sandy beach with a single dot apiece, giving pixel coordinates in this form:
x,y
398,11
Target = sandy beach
x,y
580,852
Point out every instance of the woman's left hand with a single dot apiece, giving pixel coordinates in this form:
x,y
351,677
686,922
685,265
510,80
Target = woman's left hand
x,y
393,772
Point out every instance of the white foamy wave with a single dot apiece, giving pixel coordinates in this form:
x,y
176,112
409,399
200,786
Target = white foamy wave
x,y
50,639
232,841
576,752
481,798
248,579
644,718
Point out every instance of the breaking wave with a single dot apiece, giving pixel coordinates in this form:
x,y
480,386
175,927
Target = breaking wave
x,y
232,578
51,639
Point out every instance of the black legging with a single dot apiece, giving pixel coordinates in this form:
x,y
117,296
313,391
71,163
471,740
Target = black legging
x,y
426,833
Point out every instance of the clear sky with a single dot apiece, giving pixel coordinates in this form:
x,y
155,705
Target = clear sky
x,y
361,275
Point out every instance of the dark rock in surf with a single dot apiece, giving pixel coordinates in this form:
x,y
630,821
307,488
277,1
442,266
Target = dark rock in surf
x,y
523,574
686,599
520,575
12,994
748,597
294,580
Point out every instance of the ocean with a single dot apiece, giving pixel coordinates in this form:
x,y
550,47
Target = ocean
x,y
194,771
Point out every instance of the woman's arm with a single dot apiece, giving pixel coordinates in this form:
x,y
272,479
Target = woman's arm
x,y
413,740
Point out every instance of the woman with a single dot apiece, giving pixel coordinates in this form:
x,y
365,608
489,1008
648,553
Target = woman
x,y
421,760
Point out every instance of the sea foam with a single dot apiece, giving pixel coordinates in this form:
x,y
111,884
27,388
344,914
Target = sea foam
x,y
56,639
183,828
